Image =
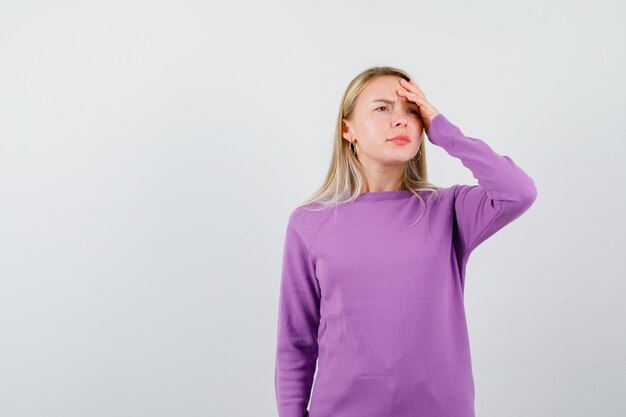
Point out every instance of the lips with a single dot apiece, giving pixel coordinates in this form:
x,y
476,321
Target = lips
x,y
401,139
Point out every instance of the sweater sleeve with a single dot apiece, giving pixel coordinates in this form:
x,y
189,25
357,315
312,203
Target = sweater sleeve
x,y
298,322
504,191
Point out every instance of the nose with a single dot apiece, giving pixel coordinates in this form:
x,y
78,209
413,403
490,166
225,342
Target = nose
x,y
400,120
399,116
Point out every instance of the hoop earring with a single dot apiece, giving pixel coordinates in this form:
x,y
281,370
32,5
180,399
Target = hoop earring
x,y
352,148
419,153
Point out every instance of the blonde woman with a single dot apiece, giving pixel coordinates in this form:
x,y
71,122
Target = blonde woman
x,y
373,271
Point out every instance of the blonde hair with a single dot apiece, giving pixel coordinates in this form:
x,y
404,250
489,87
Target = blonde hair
x,y
345,177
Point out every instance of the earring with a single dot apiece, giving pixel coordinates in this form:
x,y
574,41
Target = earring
x,y
352,148
419,153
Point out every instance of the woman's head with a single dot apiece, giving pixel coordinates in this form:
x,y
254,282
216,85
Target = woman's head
x,y
376,114
368,124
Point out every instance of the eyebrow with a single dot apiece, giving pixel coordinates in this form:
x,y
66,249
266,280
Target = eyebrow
x,y
382,100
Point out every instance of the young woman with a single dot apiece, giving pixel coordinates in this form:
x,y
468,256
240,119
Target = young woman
x,y
373,269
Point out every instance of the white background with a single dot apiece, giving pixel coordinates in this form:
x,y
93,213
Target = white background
x,y
151,151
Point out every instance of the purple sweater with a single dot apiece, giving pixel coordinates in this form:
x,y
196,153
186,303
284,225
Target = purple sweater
x,y
378,304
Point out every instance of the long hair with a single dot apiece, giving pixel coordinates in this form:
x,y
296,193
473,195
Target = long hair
x,y
345,178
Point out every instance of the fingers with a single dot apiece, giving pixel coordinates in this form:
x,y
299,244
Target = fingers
x,y
411,86
412,96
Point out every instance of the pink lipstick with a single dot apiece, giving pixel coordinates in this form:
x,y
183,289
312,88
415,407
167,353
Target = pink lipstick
x,y
401,139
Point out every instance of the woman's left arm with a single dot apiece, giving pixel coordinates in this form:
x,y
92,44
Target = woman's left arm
x,y
504,191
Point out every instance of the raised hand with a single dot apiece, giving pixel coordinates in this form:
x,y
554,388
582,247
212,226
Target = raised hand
x,y
413,93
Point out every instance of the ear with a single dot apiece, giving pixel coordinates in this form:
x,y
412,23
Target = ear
x,y
347,130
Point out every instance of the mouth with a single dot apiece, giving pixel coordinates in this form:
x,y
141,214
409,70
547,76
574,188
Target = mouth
x,y
400,139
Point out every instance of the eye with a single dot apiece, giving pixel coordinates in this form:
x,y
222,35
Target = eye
x,y
415,112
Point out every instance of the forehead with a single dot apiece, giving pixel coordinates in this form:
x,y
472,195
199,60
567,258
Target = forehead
x,y
382,87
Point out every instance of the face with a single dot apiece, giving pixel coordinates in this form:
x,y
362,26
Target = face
x,y
381,114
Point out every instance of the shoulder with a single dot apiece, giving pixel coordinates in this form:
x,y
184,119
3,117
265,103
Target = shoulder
x,y
307,219
446,195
